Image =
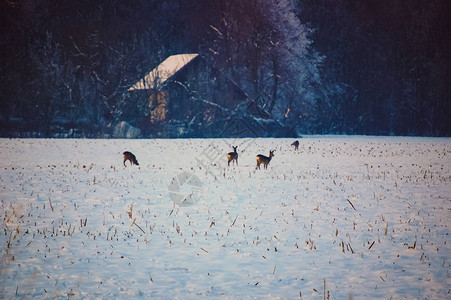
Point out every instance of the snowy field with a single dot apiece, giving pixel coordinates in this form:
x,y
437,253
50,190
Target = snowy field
x,y
360,217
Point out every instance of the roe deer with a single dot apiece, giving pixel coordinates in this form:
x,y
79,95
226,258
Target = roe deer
x,y
296,145
261,159
131,157
232,156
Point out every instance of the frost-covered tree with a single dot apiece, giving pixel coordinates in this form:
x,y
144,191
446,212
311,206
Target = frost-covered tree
x,y
264,46
293,64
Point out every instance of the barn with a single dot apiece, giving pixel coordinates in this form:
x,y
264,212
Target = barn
x,y
168,93
189,97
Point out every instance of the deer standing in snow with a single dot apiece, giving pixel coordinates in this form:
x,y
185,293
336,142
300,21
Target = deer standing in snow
x,y
261,159
232,156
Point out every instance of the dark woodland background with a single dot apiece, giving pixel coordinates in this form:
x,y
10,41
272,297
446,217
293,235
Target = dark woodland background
x,y
311,66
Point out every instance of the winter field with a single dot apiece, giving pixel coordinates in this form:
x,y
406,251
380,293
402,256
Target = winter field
x,y
342,217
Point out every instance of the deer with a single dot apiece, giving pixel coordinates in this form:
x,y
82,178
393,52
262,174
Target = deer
x,y
296,145
232,156
261,159
131,157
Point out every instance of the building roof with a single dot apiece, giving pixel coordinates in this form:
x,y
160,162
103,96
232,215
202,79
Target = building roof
x,y
163,72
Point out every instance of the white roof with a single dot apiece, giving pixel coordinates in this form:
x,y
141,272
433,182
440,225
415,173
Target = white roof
x,y
163,72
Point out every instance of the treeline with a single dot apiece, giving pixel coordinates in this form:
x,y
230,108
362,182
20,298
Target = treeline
x,y
392,59
372,67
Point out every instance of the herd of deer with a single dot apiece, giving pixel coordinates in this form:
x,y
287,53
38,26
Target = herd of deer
x,y
261,159
231,157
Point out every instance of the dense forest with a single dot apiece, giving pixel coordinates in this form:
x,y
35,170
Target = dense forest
x,y
314,66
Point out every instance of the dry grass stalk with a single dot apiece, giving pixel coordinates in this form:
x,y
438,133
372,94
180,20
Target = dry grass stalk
x,y
134,223
130,213
351,204
234,220
9,241
51,206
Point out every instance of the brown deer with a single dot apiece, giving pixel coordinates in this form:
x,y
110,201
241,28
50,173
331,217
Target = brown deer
x,y
232,156
261,159
131,157
296,145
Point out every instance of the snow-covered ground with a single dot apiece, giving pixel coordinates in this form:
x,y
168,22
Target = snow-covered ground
x,y
360,217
